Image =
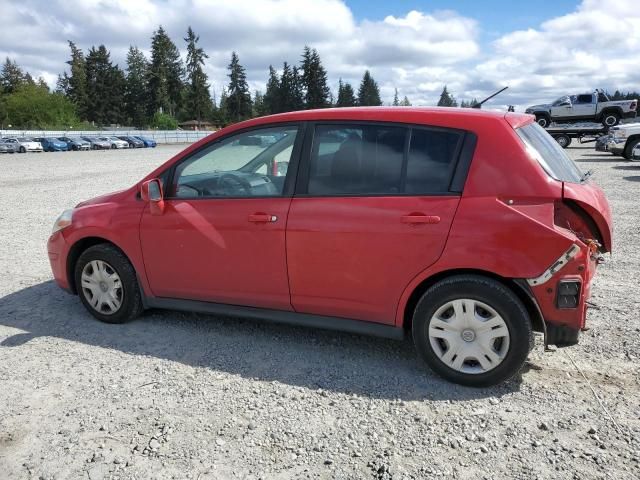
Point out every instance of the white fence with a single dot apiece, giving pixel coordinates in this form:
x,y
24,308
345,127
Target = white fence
x,y
160,136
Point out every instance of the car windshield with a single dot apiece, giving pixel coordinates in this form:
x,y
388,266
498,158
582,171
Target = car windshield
x,y
549,154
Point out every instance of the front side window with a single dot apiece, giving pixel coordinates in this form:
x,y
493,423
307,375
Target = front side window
x,y
562,101
248,164
356,160
549,154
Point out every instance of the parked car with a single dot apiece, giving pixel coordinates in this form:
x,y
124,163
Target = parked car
x,y
8,147
372,220
115,142
76,143
148,142
50,144
594,106
133,142
24,144
624,138
98,144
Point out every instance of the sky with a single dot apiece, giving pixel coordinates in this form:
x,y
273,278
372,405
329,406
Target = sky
x,y
539,49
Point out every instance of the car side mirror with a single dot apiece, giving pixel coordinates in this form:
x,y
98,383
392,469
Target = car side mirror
x,y
151,192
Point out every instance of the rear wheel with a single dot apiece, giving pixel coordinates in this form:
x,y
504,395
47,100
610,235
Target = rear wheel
x,y
23,150
563,140
107,284
543,120
472,330
610,119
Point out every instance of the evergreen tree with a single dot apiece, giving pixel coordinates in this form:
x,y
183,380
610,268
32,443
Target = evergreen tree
x,y
12,77
165,74
77,81
223,116
105,88
314,80
238,104
136,87
297,99
396,101
258,104
62,84
346,95
368,93
446,99
290,92
405,102
271,98
198,99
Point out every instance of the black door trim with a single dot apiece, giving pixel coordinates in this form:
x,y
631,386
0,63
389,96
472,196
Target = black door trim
x,y
279,316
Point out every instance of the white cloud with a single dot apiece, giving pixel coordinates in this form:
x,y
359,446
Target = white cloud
x,y
594,46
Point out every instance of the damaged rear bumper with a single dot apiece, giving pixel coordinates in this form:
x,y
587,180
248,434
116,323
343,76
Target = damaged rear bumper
x,y
562,291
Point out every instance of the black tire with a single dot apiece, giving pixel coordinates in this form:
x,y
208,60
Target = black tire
x,y
543,119
113,147
628,149
496,296
563,140
610,119
23,150
131,306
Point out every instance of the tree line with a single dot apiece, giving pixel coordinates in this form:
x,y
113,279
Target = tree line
x,y
163,90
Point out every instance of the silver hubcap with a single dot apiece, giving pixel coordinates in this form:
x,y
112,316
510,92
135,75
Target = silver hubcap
x,y
101,286
610,121
469,336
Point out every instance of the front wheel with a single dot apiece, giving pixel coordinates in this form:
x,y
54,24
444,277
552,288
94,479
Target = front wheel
x,y
472,330
543,120
107,284
23,150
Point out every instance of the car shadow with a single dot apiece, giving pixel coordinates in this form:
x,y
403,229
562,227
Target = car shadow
x,y
627,167
599,158
633,178
310,358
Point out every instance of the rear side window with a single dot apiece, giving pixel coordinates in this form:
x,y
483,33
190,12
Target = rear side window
x,y
551,156
356,160
377,160
432,155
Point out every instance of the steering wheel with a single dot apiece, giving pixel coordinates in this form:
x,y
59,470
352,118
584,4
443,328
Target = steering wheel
x,y
231,184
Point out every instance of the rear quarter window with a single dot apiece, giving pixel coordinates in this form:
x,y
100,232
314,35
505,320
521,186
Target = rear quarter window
x,y
551,156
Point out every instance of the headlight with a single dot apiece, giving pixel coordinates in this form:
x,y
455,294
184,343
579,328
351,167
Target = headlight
x,y
63,221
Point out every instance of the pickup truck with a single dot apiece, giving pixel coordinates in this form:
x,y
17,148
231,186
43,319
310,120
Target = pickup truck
x,y
624,138
594,106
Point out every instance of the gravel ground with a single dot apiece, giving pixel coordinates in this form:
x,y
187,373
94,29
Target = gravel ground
x,y
175,395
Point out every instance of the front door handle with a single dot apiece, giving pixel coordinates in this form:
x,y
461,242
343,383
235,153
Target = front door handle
x,y
262,218
416,218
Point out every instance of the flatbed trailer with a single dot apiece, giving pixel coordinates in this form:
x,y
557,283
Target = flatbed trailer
x,y
583,132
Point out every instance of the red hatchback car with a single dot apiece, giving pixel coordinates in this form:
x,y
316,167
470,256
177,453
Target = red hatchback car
x,y
469,229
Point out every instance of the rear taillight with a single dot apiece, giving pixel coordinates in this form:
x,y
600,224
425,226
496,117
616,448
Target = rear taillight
x,y
568,294
569,215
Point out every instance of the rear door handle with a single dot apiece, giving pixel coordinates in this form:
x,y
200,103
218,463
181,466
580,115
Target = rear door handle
x,y
416,218
262,218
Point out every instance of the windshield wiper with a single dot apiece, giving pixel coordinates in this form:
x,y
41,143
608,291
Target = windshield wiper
x,y
586,176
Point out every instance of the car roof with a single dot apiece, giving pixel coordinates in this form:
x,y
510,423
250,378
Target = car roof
x,y
462,118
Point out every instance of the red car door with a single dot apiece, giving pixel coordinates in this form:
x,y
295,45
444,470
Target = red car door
x,y
374,210
221,237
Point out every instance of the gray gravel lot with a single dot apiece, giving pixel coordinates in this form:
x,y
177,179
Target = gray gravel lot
x,y
176,395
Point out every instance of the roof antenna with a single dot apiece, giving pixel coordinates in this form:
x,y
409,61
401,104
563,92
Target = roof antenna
x,y
479,104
